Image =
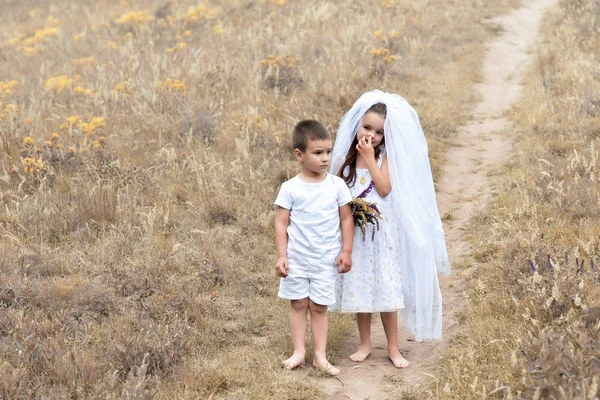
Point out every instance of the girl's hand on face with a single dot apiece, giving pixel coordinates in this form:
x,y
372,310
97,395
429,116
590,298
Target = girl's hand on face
x,y
365,148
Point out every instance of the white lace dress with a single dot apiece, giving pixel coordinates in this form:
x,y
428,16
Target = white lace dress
x,y
374,283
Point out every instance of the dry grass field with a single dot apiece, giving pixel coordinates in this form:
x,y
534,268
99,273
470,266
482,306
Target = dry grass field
x,y
141,147
536,335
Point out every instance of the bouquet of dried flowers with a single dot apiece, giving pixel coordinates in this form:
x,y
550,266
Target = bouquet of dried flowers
x,y
365,212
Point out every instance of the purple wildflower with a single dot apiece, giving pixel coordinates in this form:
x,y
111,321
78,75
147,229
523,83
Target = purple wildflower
x,y
366,191
532,265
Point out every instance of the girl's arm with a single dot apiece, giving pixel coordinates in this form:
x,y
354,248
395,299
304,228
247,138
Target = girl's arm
x,y
282,221
380,176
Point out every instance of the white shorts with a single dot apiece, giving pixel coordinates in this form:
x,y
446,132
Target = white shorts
x,y
310,277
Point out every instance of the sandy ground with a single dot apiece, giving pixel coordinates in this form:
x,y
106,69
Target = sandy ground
x,y
464,188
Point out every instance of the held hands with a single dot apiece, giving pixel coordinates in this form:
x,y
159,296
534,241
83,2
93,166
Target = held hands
x,y
365,147
344,262
282,268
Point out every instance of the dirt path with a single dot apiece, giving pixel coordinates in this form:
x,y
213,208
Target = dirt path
x,y
463,189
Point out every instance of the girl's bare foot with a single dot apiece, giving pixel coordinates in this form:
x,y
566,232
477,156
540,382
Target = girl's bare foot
x,y
296,359
326,367
397,359
361,355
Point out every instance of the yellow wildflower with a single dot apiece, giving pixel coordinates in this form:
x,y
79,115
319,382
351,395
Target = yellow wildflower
x,y
28,141
33,13
139,17
34,166
121,87
91,127
111,45
58,83
79,62
53,20
199,12
72,120
29,50
55,136
97,122
394,34
14,41
8,87
377,33
178,47
11,108
178,86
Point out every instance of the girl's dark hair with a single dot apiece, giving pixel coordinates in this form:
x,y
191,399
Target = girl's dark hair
x,y
350,162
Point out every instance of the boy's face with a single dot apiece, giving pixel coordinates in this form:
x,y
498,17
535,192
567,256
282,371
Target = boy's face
x,y
317,157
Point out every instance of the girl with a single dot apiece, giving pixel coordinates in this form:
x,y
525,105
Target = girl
x,y
381,153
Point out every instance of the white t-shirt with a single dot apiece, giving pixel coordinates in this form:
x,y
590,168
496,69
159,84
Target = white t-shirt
x,y
314,229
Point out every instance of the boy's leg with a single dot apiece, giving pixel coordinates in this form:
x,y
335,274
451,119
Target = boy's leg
x,y
298,329
363,320
319,325
390,326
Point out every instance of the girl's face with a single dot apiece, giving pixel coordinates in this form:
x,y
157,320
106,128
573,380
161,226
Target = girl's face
x,y
371,125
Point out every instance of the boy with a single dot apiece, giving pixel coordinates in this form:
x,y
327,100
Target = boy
x,y
314,230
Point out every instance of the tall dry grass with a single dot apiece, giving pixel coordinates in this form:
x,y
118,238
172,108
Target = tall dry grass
x,y
533,319
142,144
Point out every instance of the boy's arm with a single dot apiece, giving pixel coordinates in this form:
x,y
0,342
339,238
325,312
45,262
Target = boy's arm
x,y
344,262
282,221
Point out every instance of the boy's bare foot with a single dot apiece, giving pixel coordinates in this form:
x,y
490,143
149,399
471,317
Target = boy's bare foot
x,y
296,359
397,359
326,367
361,355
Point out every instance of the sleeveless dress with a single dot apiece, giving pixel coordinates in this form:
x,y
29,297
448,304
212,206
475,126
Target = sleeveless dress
x,y
374,284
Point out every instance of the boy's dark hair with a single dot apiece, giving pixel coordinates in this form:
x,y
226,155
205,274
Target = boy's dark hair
x,y
306,130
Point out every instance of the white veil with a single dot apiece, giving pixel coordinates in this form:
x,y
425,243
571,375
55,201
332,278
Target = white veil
x,y
422,246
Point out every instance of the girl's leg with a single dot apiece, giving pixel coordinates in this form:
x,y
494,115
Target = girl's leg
x,y
363,321
390,326
318,324
298,328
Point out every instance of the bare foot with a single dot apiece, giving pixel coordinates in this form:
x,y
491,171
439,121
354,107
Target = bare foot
x,y
296,359
361,355
397,359
326,367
